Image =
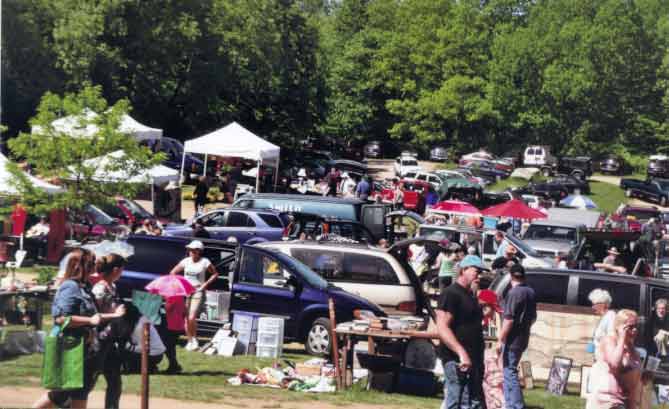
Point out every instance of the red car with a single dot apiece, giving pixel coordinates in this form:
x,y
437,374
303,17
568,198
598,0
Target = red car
x,y
128,212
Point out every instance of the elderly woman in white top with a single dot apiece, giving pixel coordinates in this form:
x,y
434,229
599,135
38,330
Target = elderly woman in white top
x,y
601,302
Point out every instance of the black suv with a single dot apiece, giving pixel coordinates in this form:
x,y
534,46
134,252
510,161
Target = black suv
x,y
546,190
565,314
577,166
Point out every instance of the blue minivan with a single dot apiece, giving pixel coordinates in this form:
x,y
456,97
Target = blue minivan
x,y
255,279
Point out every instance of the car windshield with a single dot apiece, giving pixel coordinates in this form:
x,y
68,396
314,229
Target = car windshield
x,y
409,162
304,271
99,217
522,246
537,232
640,214
137,210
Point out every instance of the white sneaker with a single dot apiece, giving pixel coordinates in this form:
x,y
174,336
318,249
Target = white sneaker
x,y
190,346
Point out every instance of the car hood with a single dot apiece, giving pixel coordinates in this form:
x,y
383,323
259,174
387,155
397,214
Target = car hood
x,y
342,296
550,245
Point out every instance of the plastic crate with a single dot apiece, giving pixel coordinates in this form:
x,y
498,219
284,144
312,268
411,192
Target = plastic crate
x,y
270,324
267,352
244,322
269,340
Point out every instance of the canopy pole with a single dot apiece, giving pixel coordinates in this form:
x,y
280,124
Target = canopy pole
x,y
276,174
204,168
183,163
258,176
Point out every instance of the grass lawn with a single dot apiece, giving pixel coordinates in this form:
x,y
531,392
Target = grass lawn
x,y
607,196
204,379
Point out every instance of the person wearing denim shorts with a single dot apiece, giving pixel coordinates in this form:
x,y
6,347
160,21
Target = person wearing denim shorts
x,y
459,324
520,312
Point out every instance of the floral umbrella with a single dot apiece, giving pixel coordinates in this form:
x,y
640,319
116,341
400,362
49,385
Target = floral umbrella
x,y
170,286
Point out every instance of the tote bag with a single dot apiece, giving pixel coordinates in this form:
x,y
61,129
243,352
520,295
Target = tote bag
x,y
63,364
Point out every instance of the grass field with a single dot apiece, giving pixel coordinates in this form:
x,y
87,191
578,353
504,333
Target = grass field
x,y
607,196
204,379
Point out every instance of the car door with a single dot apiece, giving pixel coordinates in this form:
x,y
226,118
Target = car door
x,y
214,223
239,225
260,287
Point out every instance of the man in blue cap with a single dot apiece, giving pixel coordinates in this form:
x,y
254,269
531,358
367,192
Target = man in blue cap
x,y
459,324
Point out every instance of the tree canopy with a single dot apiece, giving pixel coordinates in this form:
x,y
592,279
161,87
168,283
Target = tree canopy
x,y
583,77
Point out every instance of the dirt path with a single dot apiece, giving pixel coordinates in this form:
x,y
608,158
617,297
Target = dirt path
x,y
25,397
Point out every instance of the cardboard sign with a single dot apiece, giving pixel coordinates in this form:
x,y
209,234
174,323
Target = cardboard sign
x,y
559,375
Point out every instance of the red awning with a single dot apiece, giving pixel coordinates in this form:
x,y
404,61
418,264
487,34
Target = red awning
x,y
516,209
455,206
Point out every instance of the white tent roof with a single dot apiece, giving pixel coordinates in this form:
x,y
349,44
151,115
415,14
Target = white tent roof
x,y
72,125
236,141
157,175
7,188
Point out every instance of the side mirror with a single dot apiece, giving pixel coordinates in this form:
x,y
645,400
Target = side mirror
x,y
293,285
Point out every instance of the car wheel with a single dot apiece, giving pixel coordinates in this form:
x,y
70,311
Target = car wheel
x,y
628,193
546,172
663,201
318,339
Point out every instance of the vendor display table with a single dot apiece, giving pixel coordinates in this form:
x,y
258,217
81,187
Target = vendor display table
x,y
24,303
349,337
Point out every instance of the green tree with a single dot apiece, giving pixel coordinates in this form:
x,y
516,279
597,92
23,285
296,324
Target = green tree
x,y
55,155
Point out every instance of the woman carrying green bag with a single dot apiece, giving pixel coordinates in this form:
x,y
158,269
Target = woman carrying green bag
x,y
75,304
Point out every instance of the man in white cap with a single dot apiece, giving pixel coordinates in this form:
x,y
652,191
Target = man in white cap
x,y
194,268
611,263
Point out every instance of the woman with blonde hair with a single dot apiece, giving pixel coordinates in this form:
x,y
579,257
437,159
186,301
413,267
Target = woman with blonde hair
x,y
615,378
75,301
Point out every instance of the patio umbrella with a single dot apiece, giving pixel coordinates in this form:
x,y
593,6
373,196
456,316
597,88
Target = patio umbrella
x,y
170,286
106,247
578,202
455,206
516,209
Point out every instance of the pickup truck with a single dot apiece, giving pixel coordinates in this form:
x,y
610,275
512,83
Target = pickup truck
x,y
655,189
255,280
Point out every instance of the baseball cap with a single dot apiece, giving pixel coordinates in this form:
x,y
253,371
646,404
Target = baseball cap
x,y
473,261
195,245
517,270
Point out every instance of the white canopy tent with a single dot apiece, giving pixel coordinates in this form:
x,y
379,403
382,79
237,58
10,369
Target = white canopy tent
x,y
106,172
8,189
72,125
234,140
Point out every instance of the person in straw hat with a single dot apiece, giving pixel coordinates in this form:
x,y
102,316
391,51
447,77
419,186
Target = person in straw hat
x,y
611,262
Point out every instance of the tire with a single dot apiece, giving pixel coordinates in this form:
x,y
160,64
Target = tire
x,y
319,339
663,201
628,193
545,172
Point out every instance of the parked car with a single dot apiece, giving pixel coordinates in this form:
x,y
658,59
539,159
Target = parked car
x,y
439,154
656,190
658,166
485,158
128,212
432,178
315,226
613,165
373,149
174,152
551,238
242,224
596,244
572,183
546,190
639,215
353,168
562,299
460,173
91,223
258,280
579,167
405,164
537,156
368,272
486,170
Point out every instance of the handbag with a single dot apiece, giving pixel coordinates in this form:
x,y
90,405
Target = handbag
x,y
63,364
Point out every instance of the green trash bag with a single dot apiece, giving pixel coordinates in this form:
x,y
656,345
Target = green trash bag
x,y
63,364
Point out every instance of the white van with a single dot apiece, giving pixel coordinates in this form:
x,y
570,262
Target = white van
x,y
535,155
368,272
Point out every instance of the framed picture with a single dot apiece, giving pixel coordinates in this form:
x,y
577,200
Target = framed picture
x,y
526,378
559,375
585,381
662,394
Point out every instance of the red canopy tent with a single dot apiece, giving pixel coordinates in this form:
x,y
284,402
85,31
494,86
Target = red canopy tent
x,y
455,206
516,209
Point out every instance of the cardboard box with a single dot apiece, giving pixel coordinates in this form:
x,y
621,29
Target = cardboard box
x,y
308,370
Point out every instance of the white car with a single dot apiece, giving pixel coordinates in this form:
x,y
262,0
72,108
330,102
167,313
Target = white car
x,y
365,271
431,178
405,164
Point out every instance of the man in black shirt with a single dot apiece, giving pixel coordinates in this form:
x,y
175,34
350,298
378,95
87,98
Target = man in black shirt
x,y
520,312
459,324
